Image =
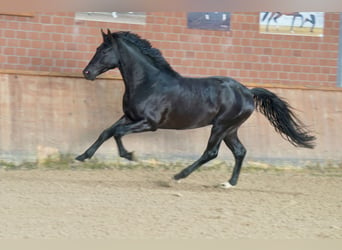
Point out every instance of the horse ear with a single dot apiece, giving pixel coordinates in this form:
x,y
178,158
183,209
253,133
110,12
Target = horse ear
x,y
109,34
103,35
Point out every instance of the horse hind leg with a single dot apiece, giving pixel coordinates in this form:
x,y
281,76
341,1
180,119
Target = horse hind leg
x,y
239,151
211,152
232,141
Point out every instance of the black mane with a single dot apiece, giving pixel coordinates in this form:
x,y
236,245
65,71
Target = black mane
x,y
146,48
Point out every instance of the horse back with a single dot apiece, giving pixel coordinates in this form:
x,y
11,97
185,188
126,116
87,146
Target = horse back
x,y
198,102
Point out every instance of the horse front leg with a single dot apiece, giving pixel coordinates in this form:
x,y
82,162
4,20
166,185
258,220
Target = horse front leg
x,y
122,151
117,130
137,127
104,136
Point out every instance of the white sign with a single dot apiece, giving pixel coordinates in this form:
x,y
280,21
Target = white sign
x,y
292,23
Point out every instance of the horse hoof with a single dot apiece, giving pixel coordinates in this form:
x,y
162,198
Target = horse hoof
x,y
226,185
130,156
81,158
177,177
177,181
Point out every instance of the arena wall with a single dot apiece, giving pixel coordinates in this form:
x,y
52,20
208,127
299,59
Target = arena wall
x,y
56,114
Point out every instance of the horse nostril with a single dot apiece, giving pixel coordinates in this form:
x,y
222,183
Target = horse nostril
x,y
86,72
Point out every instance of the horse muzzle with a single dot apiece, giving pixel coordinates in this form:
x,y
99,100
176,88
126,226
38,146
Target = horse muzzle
x,y
89,75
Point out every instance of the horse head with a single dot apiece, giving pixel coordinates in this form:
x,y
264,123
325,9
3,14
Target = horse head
x,y
106,57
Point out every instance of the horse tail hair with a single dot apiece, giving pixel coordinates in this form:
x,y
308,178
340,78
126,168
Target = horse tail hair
x,y
281,116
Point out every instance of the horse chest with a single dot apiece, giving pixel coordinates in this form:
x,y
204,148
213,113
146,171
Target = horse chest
x,y
130,109
135,106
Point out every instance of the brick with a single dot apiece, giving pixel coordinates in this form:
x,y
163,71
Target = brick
x,y
45,19
20,51
60,29
12,59
11,25
8,51
49,28
243,52
50,45
9,33
24,60
45,53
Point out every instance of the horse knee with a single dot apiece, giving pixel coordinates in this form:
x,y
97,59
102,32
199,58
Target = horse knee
x,y
212,154
240,153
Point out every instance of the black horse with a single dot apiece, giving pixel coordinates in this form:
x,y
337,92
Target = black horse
x,y
157,97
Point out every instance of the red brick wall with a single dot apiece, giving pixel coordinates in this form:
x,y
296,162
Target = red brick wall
x,y
56,42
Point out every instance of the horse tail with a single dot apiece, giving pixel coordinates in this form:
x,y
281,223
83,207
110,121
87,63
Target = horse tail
x,y
280,114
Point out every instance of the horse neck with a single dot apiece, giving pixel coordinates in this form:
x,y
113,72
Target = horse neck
x,y
134,67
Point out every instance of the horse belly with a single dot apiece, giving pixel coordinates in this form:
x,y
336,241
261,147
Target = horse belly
x,y
187,119
193,104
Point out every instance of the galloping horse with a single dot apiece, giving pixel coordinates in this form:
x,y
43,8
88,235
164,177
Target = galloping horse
x,y
157,97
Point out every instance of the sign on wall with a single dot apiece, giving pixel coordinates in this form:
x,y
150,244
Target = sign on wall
x,y
113,17
209,20
292,23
